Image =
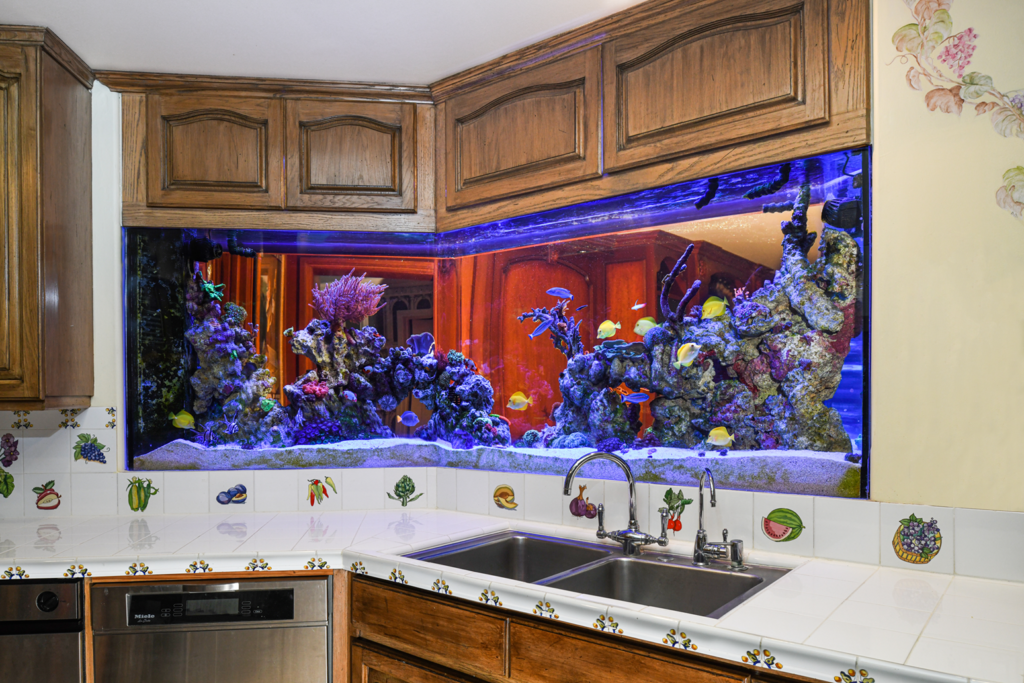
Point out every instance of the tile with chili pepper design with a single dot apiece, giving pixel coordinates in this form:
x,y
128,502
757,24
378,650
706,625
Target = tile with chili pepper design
x,y
329,483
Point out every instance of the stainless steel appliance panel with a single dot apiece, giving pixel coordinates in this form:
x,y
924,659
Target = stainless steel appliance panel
x,y
41,658
38,601
253,655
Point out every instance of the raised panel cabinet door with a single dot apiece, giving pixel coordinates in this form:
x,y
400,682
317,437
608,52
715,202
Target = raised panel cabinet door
x,y
718,73
214,151
351,156
537,129
373,666
19,232
540,655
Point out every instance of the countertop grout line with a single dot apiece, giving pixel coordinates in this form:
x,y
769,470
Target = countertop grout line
x,y
836,608
931,614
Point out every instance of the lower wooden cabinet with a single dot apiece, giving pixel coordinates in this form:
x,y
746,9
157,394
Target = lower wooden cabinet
x,y
397,634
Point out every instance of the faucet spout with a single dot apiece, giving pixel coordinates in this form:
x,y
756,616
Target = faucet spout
x,y
623,465
700,489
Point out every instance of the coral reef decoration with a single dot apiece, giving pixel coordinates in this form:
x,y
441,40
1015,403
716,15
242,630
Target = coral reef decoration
x,y
232,390
754,375
938,59
563,329
854,676
761,658
14,573
917,541
772,186
347,300
676,316
404,490
89,449
708,195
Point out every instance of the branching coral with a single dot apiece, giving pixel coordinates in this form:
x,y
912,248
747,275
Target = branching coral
x,y
676,316
564,330
347,300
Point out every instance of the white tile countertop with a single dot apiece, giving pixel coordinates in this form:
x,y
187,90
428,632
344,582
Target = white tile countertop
x,y
822,620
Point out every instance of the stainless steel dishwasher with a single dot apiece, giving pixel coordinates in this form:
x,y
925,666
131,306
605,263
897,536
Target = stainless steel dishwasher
x,y
252,631
41,631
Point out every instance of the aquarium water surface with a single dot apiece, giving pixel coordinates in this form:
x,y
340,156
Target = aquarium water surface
x,y
718,323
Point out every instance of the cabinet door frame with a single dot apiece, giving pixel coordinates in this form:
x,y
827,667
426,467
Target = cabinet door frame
x,y
262,114
579,74
807,105
397,119
21,369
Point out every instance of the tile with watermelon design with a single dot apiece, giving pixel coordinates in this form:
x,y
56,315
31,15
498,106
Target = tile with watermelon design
x,y
782,523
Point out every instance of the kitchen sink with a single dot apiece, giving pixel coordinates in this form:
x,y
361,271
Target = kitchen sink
x,y
652,579
661,580
519,556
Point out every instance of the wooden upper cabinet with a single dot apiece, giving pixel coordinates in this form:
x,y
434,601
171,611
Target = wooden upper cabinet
x,y
46,340
351,156
718,73
214,151
537,129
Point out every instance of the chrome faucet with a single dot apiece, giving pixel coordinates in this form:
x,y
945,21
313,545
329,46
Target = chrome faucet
x,y
632,539
703,551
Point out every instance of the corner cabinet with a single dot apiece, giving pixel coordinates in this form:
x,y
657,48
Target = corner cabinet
x,y
206,152
662,92
386,633
46,339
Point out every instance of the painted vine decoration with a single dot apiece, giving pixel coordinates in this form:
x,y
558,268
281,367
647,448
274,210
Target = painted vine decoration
x,y
938,60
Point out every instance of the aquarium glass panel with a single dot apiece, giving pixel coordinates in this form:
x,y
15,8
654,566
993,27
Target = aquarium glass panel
x,y
718,323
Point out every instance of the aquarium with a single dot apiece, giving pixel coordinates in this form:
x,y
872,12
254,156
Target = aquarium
x,y
716,323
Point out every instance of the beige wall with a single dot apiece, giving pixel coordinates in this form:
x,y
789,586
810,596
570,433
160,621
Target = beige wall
x,y
948,279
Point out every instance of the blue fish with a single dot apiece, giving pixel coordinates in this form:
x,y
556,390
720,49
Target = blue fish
x,y
540,328
635,398
560,292
580,308
409,419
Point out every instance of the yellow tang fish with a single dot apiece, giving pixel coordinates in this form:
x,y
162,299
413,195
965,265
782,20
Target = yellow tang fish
x,y
644,325
720,436
519,401
686,355
182,420
713,307
607,329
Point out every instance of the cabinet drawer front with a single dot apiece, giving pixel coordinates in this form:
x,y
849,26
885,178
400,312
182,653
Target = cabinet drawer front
x,y
370,666
541,655
537,129
351,156
720,73
210,151
452,635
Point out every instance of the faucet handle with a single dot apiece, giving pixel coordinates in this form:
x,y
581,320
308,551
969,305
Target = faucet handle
x,y
601,533
663,539
725,535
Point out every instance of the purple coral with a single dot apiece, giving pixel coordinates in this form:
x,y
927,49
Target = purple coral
x,y
347,300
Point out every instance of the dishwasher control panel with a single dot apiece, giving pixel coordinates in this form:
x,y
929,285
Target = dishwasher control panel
x,y
151,609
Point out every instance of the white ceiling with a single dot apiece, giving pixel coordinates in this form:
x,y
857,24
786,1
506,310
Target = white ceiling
x,y
410,42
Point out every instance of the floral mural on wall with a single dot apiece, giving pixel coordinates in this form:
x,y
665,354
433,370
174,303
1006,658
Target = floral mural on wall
x,y
938,60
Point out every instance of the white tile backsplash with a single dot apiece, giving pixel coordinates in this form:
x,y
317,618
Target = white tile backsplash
x,y
187,493
276,490
363,489
846,529
543,499
472,493
94,493
989,544
45,454
447,488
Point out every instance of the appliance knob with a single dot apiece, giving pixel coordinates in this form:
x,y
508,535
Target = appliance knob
x,y
47,601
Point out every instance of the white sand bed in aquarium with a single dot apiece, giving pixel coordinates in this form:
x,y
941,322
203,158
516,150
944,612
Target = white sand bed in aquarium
x,y
806,472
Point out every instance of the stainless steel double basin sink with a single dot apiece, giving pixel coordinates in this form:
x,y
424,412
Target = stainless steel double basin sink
x,y
651,579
